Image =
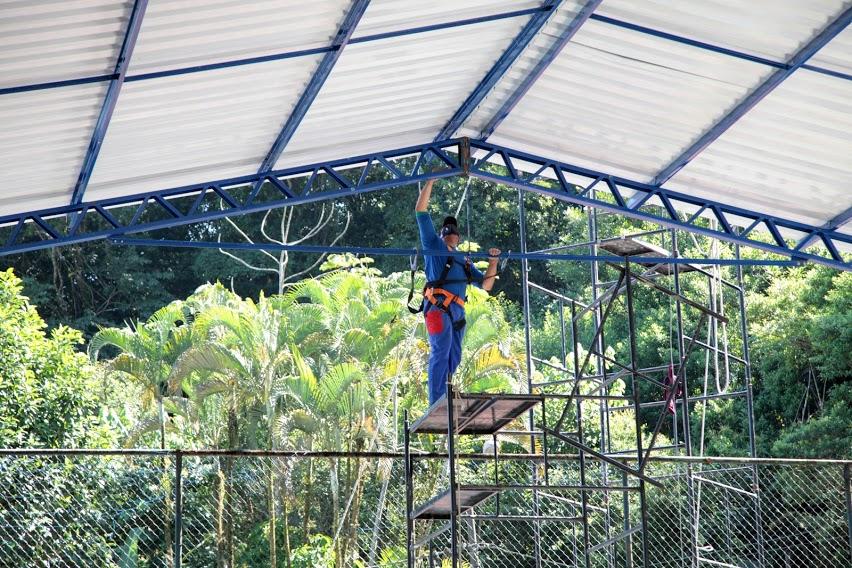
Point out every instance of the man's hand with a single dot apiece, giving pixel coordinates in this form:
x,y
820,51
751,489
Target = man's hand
x,y
491,273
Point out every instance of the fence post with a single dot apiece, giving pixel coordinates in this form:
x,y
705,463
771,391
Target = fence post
x,y
178,507
847,486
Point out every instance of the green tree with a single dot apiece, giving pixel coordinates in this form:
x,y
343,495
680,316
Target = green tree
x,y
47,388
802,354
147,353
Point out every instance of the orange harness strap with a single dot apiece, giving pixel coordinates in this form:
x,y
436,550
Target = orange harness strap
x,y
449,297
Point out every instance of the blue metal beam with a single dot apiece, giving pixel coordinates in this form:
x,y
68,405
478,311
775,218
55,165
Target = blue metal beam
x,y
503,64
834,223
338,179
386,251
714,48
56,84
341,38
404,32
687,41
133,26
800,58
323,181
555,49
274,56
499,164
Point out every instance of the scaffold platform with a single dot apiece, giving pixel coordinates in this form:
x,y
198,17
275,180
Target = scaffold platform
x,y
474,414
440,506
636,248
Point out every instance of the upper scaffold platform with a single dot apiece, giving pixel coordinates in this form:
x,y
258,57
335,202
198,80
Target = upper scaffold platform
x,y
636,248
475,413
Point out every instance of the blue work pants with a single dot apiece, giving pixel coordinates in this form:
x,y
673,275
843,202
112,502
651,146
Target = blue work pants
x,y
444,347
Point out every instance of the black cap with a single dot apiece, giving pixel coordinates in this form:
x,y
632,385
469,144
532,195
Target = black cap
x,y
450,221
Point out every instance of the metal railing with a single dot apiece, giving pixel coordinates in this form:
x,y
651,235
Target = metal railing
x,y
217,508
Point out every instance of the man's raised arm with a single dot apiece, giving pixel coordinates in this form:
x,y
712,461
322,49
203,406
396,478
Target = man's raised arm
x,y
423,198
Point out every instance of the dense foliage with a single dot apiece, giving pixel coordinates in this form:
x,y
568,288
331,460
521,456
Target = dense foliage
x,y
48,392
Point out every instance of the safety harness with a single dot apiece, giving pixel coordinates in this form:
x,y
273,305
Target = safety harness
x,y
435,293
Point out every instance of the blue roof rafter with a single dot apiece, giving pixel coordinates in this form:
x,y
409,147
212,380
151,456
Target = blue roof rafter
x,y
556,180
274,56
797,61
835,223
341,39
323,181
183,205
133,26
503,64
555,49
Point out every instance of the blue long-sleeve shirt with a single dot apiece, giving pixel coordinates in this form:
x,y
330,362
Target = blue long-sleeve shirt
x,y
434,253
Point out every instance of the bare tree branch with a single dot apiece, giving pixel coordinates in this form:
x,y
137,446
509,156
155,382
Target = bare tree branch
x,y
245,236
263,229
243,262
317,228
323,255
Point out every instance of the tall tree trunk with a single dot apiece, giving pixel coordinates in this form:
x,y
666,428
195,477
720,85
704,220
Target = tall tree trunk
x,y
286,516
380,509
270,501
167,486
306,515
162,412
221,541
335,506
354,516
233,443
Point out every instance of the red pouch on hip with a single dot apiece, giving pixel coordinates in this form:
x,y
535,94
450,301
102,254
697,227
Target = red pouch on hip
x,y
434,322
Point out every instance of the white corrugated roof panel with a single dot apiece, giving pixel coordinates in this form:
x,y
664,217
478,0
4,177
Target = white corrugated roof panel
x,y
625,102
184,33
773,29
837,55
58,40
522,66
196,127
791,156
43,139
396,92
391,15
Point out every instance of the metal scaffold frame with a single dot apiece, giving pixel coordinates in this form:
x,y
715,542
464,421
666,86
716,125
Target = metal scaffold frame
x,y
569,395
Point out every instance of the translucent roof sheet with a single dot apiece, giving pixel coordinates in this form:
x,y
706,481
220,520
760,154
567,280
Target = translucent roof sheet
x,y
210,86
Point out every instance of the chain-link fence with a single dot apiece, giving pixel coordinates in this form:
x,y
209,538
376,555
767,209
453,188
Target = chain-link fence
x,y
79,508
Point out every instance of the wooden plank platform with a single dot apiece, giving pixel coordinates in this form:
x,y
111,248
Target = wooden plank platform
x,y
475,413
439,507
637,248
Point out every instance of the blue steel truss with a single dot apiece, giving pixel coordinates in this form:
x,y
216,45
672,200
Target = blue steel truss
x,y
133,26
341,178
233,196
647,202
341,39
552,53
389,251
503,64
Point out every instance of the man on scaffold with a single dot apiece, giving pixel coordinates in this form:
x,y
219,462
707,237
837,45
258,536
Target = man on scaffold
x,y
447,279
